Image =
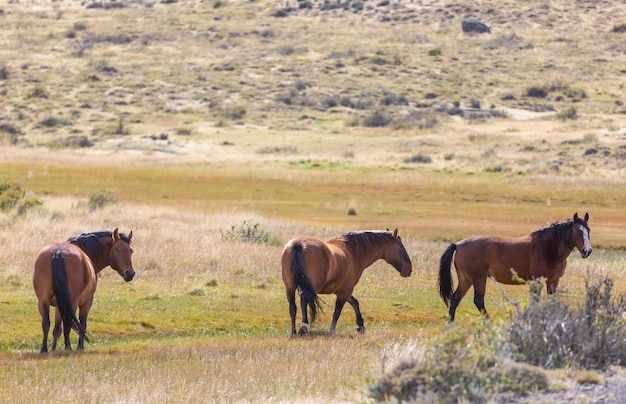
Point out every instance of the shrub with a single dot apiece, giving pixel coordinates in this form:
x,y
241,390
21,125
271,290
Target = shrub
x,y
569,113
552,334
537,92
4,72
51,122
235,113
100,199
118,129
418,158
13,195
38,92
466,365
619,28
378,119
10,194
434,52
251,234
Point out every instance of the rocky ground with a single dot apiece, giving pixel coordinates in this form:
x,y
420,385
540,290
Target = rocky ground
x,y
611,389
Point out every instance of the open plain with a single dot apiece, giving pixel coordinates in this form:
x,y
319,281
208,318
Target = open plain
x,y
206,122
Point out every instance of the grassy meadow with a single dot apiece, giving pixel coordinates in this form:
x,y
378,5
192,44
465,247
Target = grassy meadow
x,y
206,118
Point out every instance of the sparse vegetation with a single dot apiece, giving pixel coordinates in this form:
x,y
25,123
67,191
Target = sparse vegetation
x,y
470,364
478,362
619,28
418,158
248,233
172,104
101,198
14,196
553,334
569,113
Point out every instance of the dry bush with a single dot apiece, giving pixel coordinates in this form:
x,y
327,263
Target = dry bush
x,y
465,364
553,334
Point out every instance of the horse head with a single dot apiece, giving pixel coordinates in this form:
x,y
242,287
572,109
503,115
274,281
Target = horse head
x,y
580,235
121,255
396,256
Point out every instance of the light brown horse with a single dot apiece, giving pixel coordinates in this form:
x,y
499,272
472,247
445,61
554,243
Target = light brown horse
x,y
316,267
541,254
65,276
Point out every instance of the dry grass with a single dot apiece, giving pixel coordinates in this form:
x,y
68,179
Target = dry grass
x,y
199,116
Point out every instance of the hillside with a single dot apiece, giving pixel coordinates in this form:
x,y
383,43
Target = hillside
x,y
193,77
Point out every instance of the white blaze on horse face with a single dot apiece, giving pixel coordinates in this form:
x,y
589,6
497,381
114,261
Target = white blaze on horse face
x,y
586,251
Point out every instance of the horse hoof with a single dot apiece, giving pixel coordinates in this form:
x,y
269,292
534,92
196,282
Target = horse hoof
x,y
303,331
360,330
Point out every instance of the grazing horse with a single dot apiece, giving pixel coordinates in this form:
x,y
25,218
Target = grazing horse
x,y
65,276
542,253
316,267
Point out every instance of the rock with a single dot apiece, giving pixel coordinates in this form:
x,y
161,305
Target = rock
x,y
474,25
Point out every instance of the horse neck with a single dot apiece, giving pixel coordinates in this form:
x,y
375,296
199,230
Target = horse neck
x,y
101,260
560,248
364,257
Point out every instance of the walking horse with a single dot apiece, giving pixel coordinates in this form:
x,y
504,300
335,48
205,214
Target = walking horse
x,y
542,253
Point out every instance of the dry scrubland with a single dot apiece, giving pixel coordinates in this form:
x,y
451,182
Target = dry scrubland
x,y
203,118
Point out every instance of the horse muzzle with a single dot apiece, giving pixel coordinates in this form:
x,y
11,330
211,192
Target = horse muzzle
x,y
406,272
129,275
586,252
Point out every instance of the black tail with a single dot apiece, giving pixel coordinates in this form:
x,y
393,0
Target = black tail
x,y
445,274
62,293
303,283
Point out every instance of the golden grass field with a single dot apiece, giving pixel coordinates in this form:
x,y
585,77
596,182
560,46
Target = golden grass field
x,y
201,116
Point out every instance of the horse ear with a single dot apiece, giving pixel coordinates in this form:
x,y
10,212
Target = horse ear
x,y
576,217
130,235
116,234
586,216
395,232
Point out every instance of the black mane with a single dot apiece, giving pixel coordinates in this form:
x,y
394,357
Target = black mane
x,y
90,244
558,231
366,239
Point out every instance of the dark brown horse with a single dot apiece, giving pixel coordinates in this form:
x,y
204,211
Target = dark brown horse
x,y
65,276
316,267
541,254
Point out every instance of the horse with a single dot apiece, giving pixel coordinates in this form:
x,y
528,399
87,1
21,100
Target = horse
x,y
65,276
316,267
541,254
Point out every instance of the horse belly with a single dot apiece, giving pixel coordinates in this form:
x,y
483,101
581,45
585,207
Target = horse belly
x,y
508,267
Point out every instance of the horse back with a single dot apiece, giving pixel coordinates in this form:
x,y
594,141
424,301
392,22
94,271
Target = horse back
x,y
81,277
316,256
495,257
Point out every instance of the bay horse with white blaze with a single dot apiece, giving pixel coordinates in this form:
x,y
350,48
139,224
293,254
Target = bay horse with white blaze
x,y
65,276
314,267
542,253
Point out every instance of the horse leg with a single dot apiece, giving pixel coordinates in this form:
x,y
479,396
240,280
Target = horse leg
x,y
83,312
479,296
67,327
458,295
56,331
360,327
304,328
551,286
338,307
293,309
44,310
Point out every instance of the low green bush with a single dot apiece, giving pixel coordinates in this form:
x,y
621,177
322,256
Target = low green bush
x,y
248,233
14,196
100,199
